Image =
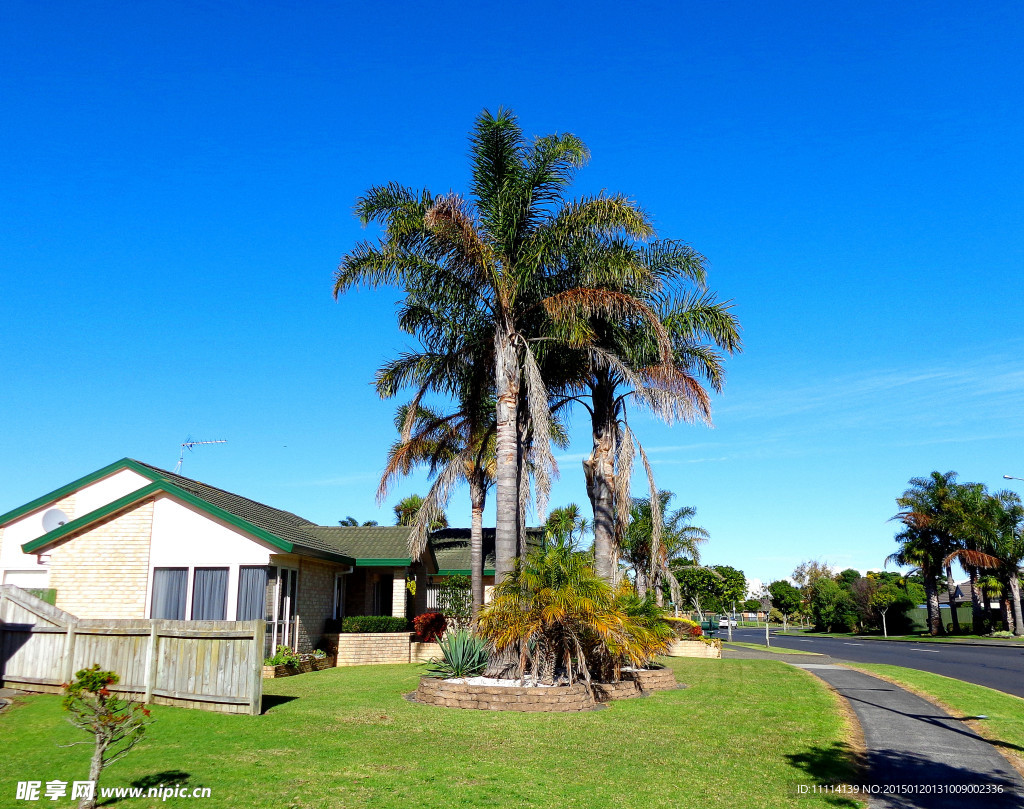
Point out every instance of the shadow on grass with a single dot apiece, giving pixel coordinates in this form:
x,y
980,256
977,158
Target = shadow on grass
x,y
828,767
166,778
897,779
273,700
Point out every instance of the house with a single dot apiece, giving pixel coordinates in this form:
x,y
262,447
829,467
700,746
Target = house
x,y
131,540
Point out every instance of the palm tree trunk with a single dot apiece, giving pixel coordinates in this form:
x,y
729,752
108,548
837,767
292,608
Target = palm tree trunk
x,y
478,498
977,611
932,592
507,452
599,470
1018,619
951,589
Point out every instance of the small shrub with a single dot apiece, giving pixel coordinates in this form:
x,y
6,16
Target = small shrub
x,y
283,657
117,725
1002,633
319,654
462,655
430,626
374,623
455,598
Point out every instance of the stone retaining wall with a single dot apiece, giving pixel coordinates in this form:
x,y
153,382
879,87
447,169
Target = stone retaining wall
x,y
435,691
652,679
694,648
624,689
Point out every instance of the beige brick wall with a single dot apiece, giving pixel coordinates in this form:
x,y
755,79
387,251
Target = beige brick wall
x,y
103,572
371,648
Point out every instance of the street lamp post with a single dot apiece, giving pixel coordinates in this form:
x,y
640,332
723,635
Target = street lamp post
x,y
1011,477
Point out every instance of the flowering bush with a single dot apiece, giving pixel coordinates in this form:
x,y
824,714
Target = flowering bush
x,y
685,628
430,626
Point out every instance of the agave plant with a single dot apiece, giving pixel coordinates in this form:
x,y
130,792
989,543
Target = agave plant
x,y
462,655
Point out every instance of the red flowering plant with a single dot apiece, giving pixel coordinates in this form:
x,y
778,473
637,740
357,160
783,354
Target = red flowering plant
x,y
116,724
430,626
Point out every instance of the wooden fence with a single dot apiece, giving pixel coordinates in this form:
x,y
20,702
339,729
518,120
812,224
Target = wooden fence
x,y
209,665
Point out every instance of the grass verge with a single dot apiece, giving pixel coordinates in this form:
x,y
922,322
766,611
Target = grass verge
x,y
744,733
773,649
1004,722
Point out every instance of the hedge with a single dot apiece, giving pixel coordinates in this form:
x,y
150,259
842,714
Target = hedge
x,y
374,623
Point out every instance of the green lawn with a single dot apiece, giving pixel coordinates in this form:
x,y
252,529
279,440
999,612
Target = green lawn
x,y
762,648
1005,713
745,733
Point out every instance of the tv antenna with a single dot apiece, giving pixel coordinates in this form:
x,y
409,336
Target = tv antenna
x,y
188,443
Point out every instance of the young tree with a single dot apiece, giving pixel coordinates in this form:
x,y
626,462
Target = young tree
x,y
117,725
786,599
883,597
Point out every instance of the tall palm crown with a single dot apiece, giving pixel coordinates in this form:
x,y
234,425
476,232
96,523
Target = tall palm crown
x,y
501,259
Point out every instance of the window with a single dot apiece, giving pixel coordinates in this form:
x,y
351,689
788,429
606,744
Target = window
x,y
339,595
252,594
170,588
210,594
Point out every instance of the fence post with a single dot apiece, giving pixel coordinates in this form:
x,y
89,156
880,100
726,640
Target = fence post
x,y
69,653
151,660
256,684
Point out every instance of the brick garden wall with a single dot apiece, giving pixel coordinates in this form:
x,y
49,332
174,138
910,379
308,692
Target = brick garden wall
x,y
370,648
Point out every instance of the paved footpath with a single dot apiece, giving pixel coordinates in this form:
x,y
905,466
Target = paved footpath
x,y
914,750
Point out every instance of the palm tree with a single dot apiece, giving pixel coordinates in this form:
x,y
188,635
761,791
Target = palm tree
x,y
408,508
567,524
455,446
650,562
500,258
351,521
923,552
927,509
699,327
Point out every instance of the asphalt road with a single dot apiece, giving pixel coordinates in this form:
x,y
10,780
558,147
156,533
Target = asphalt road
x,y
996,667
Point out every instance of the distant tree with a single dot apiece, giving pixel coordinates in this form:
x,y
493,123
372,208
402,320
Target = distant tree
x,y
807,573
567,524
732,586
751,605
786,599
352,522
848,577
407,508
699,587
651,563
830,605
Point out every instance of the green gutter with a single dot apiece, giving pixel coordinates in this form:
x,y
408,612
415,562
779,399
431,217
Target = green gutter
x,y
384,562
465,572
57,494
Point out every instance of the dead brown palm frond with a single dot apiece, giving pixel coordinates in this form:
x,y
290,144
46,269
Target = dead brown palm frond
x,y
973,558
450,219
623,479
544,465
585,302
683,388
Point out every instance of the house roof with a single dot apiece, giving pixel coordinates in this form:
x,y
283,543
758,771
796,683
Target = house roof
x,y
451,549
361,546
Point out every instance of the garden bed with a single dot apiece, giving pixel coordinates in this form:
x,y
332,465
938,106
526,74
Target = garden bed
x,y
302,667
534,699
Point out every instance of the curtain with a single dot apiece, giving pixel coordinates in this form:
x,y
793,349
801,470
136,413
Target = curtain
x,y
210,594
170,585
252,594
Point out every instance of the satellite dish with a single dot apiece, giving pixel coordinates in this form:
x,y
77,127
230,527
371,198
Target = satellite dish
x,y
54,519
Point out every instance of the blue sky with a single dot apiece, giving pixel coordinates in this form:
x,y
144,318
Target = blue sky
x,y
177,189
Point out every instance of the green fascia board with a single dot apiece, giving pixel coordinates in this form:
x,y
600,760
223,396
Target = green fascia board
x,y
63,491
161,485
384,562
